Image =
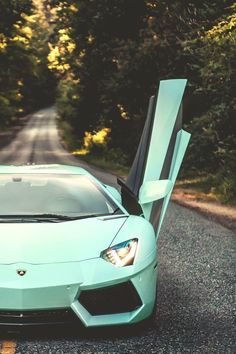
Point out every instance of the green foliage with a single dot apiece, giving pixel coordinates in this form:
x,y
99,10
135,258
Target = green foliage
x,y
225,181
67,109
213,146
108,57
5,109
123,48
207,143
25,81
67,134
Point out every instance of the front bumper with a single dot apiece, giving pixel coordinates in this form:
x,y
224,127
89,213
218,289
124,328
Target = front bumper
x,y
78,286
37,318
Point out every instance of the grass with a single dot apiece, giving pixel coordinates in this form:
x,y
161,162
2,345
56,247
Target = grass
x,y
204,188
201,183
201,187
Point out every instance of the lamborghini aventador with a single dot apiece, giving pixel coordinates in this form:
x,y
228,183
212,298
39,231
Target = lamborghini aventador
x,y
73,248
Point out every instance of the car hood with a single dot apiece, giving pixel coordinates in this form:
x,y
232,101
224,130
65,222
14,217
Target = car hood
x,y
39,243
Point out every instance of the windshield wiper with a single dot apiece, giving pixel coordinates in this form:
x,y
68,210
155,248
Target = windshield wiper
x,y
60,217
47,217
50,216
33,218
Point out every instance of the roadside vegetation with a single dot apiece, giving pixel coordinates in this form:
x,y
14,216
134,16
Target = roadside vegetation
x,y
26,83
100,61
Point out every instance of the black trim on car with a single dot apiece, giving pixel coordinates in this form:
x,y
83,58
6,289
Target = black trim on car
x,y
113,299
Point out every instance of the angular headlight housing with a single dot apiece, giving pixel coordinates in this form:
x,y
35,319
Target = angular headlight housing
x,y
121,255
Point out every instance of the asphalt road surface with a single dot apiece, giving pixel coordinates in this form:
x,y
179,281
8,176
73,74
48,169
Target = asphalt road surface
x,y
39,143
196,305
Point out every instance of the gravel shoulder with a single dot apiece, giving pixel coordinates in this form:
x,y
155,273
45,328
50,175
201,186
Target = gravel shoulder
x,y
213,210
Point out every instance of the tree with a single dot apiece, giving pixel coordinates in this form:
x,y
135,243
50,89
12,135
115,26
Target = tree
x,y
213,146
25,81
12,56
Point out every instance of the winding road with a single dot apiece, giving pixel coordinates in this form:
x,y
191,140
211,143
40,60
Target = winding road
x,y
196,307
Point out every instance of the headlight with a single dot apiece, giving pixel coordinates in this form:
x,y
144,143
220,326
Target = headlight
x,y
121,255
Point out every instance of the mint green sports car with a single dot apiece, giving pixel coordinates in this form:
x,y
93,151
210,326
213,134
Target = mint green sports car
x,y
73,248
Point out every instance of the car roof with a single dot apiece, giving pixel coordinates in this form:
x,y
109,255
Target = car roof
x,y
41,169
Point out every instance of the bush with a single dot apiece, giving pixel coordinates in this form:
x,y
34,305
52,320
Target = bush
x,y
6,112
225,181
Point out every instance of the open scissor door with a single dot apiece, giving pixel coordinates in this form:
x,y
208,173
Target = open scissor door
x,y
159,156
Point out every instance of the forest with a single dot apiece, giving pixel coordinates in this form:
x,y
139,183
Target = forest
x,y
100,61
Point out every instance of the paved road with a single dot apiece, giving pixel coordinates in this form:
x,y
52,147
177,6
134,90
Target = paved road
x,y
39,143
197,278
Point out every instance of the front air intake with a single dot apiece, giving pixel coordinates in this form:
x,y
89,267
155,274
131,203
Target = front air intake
x,y
110,300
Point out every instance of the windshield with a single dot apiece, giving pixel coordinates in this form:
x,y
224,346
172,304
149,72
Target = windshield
x,y
71,195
